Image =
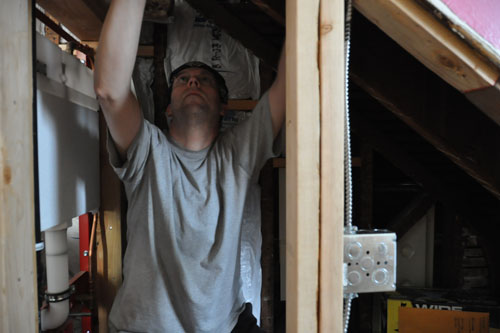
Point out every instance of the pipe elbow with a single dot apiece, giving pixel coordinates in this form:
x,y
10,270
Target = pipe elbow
x,y
55,315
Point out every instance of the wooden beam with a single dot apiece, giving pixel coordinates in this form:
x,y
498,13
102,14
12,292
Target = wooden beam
x,y
481,217
55,27
302,171
488,100
432,108
241,104
108,236
332,83
146,51
411,214
98,7
77,16
18,297
395,154
235,28
270,11
459,23
433,44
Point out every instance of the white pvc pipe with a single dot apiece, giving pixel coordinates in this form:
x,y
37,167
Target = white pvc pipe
x,y
56,256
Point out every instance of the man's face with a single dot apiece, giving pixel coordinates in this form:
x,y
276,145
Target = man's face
x,y
195,92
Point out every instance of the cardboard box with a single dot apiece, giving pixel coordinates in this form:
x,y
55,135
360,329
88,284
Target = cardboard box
x,y
443,300
414,320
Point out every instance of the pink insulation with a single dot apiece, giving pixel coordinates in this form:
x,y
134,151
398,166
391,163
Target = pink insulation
x,y
483,16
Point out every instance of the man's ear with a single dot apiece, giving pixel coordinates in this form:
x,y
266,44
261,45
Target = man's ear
x,y
169,111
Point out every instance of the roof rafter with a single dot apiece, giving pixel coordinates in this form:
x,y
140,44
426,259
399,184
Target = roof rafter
x,y
433,109
271,10
437,47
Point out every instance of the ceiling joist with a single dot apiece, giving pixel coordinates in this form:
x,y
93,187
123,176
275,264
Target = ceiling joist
x,y
78,16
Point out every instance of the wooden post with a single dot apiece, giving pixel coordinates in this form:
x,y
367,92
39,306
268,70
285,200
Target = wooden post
x,y
315,186
108,236
18,300
303,166
332,83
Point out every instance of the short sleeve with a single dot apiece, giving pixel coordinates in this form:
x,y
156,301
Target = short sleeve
x,y
253,138
131,169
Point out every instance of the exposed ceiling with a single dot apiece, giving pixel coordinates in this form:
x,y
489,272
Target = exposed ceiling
x,y
428,105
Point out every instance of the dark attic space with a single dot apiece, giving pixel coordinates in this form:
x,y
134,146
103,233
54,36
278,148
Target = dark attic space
x,y
246,240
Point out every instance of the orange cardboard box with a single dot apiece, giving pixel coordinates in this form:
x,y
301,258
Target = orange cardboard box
x,y
414,320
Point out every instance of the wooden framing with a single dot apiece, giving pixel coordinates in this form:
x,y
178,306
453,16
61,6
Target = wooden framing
x,y
108,236
332,99
314,169
18,300
77,15
446,120
437,47
303,166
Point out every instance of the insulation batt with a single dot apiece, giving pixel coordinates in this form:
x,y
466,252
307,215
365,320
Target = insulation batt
x,y
192,37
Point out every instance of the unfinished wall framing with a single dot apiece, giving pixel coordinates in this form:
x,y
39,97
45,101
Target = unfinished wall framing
x,y
314,127
18,301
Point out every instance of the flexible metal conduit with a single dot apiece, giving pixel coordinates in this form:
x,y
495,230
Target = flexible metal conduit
x,y
349,228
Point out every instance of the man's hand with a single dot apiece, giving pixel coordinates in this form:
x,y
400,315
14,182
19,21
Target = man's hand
x,y
114,65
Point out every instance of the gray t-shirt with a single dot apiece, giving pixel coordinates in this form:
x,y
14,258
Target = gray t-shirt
x,y
182,263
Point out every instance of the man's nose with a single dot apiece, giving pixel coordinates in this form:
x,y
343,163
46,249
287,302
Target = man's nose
x,y
193,82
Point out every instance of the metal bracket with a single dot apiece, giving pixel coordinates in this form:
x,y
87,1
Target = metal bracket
x,y
59,297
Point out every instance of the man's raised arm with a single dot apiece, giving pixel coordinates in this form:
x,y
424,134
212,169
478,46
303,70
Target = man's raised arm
x,y
115,61
277,98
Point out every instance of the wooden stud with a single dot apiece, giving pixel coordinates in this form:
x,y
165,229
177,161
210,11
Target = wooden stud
x,y
108,236
411,214
332,83
18,297
302,171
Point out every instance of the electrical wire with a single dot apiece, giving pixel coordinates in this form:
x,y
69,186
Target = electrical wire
x,y
347,136
349,228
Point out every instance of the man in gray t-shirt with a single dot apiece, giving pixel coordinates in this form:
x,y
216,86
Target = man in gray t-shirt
x,y
186,188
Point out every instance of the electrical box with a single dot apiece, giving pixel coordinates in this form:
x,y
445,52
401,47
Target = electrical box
x,y
370,259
